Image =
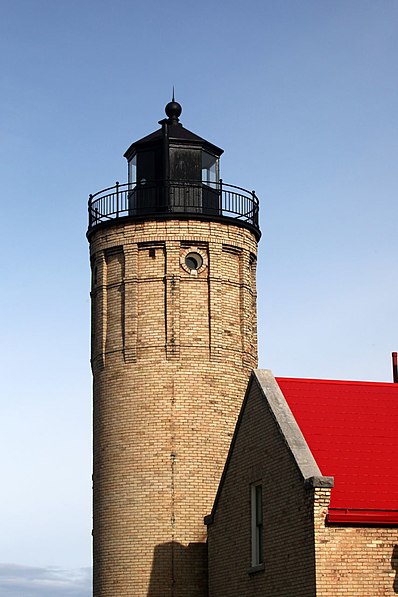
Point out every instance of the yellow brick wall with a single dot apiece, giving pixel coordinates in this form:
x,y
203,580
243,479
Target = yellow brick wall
x,y
354,561
171,356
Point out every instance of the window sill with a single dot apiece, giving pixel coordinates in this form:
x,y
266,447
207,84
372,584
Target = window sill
x,y
255,569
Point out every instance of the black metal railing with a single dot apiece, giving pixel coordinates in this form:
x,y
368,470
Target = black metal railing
x,y
169,198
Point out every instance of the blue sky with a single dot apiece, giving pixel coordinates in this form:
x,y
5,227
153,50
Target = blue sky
x,y
302,96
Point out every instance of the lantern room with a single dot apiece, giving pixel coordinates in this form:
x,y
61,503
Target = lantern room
x,y
174,170
173,173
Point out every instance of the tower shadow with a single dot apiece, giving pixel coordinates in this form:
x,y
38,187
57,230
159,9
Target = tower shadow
x,y
179,571
394,566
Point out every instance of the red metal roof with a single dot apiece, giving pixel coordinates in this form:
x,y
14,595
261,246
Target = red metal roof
x,y
352,430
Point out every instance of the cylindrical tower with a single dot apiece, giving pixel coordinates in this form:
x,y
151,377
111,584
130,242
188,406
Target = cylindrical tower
x,y
173,255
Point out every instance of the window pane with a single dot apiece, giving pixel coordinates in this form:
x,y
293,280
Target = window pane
x,y
257,523
259,505
132,169
209,168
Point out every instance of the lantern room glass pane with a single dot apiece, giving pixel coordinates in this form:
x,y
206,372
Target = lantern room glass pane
x,y
209,168
132,165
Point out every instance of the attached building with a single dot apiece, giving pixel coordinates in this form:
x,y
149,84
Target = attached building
x,y
308,500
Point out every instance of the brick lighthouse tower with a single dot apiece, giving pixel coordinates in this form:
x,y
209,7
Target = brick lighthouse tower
x,y
173,256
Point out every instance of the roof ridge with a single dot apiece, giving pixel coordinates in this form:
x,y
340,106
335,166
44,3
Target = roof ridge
x,y
337,381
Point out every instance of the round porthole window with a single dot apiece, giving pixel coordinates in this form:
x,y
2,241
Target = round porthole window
x,y
193,261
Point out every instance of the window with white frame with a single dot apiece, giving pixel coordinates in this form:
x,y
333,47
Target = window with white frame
x,y
257,523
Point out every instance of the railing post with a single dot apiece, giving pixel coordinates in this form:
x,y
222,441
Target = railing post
x,y
90,215
117,198
255,208
221,205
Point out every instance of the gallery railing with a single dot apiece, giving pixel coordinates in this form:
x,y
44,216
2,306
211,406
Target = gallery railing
x,y
169,198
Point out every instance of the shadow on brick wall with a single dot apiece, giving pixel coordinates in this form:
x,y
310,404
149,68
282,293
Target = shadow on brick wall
x,y
179,570
394,566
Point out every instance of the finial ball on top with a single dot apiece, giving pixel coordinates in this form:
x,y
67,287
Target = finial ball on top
x,y
173,110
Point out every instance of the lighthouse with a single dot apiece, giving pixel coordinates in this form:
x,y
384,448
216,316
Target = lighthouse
x,y
173,258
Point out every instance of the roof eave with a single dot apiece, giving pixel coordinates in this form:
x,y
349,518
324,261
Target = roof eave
x,y
190,138
350,516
